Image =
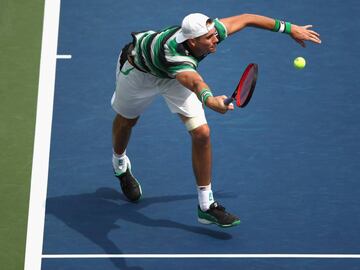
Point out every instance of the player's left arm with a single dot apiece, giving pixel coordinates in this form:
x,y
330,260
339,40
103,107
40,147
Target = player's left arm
x,y
298,33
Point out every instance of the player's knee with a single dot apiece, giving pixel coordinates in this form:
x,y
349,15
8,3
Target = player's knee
x,y
201,135
192,123
125,122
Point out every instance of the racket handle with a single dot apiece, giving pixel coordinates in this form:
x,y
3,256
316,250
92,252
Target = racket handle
x,y
228,100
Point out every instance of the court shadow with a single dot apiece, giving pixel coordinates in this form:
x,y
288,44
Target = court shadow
x,y
95,215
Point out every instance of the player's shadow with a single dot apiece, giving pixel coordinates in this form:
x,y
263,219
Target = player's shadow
x,y
95,215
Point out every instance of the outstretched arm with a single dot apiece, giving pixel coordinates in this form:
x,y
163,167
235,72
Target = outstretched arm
x,y
194,82
299,33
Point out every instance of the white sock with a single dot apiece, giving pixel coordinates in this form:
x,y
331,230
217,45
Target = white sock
x,y
118,160
205,197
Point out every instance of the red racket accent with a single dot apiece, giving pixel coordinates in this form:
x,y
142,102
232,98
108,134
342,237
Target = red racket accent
x,y
245,88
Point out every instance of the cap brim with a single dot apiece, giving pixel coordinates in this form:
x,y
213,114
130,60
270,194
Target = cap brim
x,y
180,38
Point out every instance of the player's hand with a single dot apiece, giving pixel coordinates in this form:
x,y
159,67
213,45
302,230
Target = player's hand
x,y
303,33
217,104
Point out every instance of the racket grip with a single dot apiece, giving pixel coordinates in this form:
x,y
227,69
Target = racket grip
x,y
228,100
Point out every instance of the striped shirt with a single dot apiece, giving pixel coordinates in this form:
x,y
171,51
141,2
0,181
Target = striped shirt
x,y
159,54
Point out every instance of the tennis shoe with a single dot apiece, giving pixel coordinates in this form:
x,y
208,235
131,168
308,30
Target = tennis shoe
x,y
216,214
130,187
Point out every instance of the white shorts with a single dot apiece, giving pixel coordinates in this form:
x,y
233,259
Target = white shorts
x,y
135,90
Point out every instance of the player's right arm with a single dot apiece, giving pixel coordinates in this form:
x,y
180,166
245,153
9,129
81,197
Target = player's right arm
x,y
194,82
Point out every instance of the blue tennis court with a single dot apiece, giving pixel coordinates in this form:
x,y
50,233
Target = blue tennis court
x,y
287,164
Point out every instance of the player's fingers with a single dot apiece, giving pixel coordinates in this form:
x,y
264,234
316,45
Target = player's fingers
x,y
311,32
315,39
230,107
314,33
313,36
308,26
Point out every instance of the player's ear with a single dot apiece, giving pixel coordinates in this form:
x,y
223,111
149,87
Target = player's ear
x,y
191,42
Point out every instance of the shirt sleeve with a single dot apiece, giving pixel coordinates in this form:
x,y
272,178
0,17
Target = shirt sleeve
x,y
177,59
174,70
221,29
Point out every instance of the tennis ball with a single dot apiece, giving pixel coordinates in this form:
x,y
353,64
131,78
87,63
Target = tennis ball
x,y
299,62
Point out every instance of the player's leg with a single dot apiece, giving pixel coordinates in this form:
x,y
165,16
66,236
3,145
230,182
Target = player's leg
x,y
201,148
133,93
121,132
209,211
182,101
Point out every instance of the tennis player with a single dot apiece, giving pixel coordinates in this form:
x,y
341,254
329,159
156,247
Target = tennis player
x,y
165,63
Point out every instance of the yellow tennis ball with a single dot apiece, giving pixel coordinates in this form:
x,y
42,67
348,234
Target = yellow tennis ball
x,y
299,62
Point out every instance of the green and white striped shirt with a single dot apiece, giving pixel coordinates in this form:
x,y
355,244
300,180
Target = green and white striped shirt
x,y
158,53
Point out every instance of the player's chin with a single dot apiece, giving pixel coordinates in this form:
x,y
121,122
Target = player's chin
x,y
212,49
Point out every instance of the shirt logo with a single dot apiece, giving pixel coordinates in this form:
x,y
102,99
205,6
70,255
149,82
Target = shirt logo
x,y
126,72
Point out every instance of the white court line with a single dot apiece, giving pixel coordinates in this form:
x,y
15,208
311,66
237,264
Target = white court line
x,y
63,56
40,164
202,256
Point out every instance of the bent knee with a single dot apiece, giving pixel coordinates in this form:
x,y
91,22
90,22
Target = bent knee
x,y
201,134
192,123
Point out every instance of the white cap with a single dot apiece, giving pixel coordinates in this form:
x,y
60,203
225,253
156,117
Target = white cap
x,y
193,25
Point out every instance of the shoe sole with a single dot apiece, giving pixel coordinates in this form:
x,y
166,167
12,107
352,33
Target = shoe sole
x,y
208,222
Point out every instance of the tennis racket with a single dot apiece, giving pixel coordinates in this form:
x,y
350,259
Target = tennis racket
x,y
245,88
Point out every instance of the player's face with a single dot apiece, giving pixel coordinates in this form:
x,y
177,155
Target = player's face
x,y
207,43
